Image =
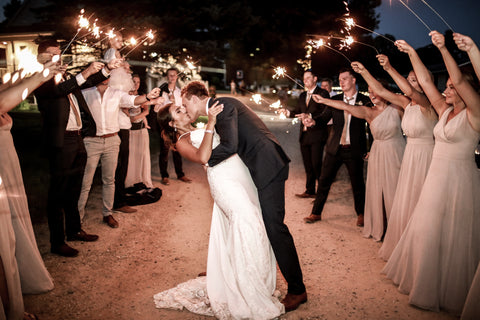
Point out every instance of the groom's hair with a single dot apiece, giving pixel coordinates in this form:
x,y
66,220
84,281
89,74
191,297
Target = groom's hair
x,y
195,88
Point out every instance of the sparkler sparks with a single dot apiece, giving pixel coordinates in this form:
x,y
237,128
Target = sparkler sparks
x,y
257,98
350,22
82,23
281,72
149,35
322,43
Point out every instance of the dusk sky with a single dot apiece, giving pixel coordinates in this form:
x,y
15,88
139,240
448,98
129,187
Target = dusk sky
x,y
462,15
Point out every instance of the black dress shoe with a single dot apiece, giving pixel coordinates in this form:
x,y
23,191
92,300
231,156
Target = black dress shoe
x,y
292,301
82,236
64,250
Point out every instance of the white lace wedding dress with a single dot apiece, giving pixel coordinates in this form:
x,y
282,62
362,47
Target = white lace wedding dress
x,y
241,267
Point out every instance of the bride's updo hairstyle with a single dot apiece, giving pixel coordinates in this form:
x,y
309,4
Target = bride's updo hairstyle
x,y
164,117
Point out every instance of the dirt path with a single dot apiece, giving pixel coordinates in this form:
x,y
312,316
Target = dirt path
x,y
165,243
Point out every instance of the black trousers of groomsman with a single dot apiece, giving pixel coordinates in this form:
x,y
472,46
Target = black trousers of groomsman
x,y
163,160
67,165
122,168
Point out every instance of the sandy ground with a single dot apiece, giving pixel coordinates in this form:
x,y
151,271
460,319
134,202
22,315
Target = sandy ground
x,y
165,243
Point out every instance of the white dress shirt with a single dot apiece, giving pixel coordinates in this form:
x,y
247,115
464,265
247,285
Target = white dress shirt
x,y
105,110
72,124
349,115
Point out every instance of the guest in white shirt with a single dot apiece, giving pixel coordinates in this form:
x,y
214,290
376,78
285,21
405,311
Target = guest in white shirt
x,y
104,103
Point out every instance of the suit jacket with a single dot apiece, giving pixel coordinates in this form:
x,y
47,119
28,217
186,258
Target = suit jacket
x,y
243,132
358,127
316,133
54,106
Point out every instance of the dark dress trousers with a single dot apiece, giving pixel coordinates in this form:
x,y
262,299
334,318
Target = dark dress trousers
x,y
241,131
312,139
336,155
65,151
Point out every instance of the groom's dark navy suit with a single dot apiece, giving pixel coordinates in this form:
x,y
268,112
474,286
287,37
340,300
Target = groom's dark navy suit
x,y
242,132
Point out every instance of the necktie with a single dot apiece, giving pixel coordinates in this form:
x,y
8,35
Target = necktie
x,y
309,96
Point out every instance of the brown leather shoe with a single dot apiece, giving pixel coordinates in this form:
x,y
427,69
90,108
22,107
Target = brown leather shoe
x,y
165,181
202,274
82,236
64,250
292,301
305,195
126,209
312,218
360,220
112,223
185,179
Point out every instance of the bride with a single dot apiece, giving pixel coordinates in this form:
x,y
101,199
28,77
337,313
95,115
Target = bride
x,y
241,266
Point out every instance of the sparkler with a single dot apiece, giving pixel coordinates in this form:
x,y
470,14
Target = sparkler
x,y
281,72
416,15
95,30
350,22
425,2
257,98
149,35
82,23
346,42
190,66
321,43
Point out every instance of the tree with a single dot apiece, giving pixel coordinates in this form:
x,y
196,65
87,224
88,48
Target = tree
x,y
11,8
243,34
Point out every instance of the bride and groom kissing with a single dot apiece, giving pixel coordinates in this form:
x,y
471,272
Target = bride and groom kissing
x,y
246,169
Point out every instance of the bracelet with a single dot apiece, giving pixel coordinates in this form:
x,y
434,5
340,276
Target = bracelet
x,y
107,68
146,97
209,131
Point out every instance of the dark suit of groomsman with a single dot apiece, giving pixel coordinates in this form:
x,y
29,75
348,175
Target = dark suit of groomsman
x,y
346,144
66,152
312,139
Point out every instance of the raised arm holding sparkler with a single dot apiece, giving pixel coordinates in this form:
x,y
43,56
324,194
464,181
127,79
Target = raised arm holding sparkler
x,y
467,92
411,89
13,94
409,86
383,92
466,44
424,77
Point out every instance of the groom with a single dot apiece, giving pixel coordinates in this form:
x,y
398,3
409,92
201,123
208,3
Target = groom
x,y
242,132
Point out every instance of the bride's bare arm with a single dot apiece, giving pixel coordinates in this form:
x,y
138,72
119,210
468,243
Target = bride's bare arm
x,y
203,153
